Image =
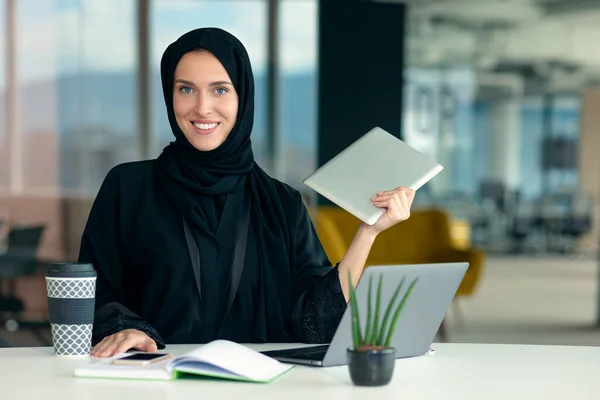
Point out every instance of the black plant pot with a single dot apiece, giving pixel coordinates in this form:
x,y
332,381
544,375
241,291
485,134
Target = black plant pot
x,y
371,367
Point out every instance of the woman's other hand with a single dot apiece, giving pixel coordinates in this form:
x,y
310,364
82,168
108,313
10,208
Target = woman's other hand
x,y
122,341
397,203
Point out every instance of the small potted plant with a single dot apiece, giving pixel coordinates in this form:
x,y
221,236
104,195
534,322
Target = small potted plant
x,y
371,360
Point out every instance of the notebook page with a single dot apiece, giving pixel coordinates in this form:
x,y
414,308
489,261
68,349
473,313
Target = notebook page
x,y
105,369
236,358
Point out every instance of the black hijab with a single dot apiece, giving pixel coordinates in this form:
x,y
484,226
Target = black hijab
x,y
219,171
211,190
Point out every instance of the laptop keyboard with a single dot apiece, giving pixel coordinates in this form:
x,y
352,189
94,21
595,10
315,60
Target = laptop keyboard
x,y
300,353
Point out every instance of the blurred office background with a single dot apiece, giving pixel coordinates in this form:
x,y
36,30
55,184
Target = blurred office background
x,y
505,94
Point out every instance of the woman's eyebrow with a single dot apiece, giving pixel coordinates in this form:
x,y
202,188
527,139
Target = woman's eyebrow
x,y
219,83
185,82
190,83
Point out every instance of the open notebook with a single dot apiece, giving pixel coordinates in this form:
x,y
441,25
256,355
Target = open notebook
x,y
218,359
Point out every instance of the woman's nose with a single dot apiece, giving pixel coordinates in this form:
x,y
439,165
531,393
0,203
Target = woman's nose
x,y
204,105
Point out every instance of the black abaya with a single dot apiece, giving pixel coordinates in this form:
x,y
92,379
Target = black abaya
x,y
186,291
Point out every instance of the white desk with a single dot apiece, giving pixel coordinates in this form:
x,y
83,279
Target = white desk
x,y
456,371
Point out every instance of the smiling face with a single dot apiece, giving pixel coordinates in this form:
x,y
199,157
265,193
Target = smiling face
x,y
205,102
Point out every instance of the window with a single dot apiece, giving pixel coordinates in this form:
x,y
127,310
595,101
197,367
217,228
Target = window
x,y
36,134
544,168
438,121
4,172
76,92
97,90
298,82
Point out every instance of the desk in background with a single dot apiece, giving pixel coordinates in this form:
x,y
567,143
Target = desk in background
x,y
455,371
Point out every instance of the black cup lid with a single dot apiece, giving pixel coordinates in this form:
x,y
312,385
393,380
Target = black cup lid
x,y
69,267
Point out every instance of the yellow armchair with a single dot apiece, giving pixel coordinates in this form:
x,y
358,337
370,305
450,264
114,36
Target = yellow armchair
x,y
423,238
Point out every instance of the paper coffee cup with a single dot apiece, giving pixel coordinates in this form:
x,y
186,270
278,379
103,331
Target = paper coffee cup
x,y
71,291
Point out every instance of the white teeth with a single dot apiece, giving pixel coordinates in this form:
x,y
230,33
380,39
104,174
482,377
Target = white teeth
x,y
205,126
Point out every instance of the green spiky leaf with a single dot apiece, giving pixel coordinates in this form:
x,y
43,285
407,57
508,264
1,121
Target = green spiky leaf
x,y
388,311
398,311
369,327
372,340
356,336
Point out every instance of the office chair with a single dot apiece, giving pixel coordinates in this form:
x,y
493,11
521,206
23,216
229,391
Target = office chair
x,y
19,260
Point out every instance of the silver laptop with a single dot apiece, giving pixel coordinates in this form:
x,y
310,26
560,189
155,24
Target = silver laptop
x,y
417,326
377,161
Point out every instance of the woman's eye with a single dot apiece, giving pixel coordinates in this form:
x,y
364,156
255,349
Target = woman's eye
x,y
221,91
185,89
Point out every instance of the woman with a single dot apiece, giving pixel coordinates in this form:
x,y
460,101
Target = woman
x,y
201,243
